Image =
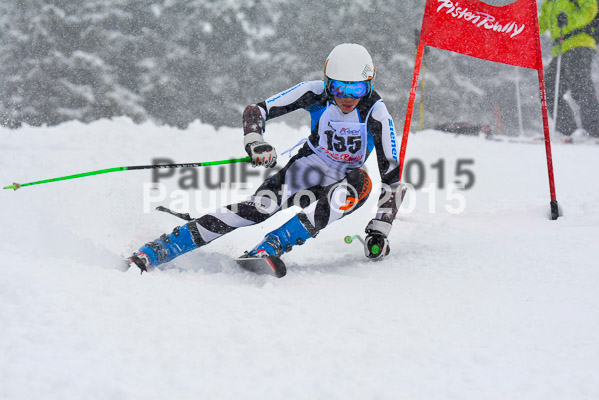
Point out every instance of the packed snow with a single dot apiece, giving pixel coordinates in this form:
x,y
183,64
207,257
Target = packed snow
x,y
482,296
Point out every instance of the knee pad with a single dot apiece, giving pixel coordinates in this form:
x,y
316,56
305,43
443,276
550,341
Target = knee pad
x,y
360,186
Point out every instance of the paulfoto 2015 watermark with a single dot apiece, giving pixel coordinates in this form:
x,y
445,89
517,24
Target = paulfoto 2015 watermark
x,y
202,190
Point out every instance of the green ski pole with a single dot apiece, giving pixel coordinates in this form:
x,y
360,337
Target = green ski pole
x,y
349,239
16,186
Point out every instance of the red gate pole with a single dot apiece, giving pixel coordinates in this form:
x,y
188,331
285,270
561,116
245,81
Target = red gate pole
x,y
553,202
410,110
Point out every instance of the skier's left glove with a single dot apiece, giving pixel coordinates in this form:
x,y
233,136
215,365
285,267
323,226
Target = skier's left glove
x,y
376,244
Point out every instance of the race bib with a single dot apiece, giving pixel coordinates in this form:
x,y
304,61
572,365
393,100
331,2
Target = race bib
x,y
341,142
344,142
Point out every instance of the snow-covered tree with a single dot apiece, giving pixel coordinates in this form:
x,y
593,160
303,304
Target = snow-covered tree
x,y
176,61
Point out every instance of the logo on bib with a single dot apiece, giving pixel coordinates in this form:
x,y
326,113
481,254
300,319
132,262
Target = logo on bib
x,y
349,131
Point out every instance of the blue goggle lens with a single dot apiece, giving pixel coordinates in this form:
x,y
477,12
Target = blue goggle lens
x,y
354,90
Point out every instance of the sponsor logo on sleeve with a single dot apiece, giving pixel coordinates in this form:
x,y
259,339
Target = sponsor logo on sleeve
x,y
393,140
280,95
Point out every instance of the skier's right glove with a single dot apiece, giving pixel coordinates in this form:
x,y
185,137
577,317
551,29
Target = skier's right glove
x,y
261,153
376,244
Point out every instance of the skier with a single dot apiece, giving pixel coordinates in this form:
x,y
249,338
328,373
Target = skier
x,y
349,120
567,22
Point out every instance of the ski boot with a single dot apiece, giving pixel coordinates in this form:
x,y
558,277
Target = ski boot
x,y
163,249
294,232
265,257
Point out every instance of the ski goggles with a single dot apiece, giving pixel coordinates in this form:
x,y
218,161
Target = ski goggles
x,y
355,90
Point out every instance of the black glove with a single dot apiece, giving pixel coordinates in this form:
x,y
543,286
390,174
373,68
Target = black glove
x,y
562,19
262,153
376,244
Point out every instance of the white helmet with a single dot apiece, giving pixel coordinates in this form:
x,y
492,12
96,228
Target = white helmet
x,y
349,62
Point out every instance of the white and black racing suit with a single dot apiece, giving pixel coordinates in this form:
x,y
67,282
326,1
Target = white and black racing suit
x,y
324,178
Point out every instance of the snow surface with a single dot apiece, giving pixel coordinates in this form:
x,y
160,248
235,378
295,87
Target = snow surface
x,y
495,302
